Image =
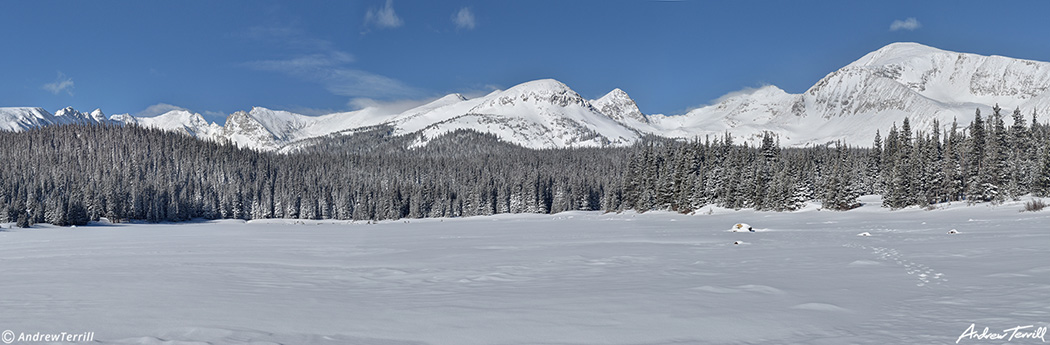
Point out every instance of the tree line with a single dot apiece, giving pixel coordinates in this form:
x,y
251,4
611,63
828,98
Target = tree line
x,y
72,174
982,162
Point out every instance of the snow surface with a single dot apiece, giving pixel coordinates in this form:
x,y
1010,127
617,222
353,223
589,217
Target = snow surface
x,y
568,278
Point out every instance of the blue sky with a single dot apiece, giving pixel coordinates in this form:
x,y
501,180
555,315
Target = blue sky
x,y
217,57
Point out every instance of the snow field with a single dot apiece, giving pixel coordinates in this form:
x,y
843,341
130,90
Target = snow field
x,y
568,278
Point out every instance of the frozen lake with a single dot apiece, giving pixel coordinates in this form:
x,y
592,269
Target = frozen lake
x,y
570,278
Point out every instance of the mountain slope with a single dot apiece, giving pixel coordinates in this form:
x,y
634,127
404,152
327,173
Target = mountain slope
x,y
537,114
618,106
879,89
872,93
23,118
176,120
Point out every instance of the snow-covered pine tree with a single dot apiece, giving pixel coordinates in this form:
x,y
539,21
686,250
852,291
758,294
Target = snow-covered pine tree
x,y
874,167
975,190
1041,181
1018,168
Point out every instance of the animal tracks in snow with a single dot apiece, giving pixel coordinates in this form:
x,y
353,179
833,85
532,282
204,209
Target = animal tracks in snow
x,y
924,274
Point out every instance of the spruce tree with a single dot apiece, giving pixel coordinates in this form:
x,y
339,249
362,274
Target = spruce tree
x,y
975,190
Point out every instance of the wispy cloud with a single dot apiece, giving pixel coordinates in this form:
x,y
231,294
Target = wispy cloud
x,y
746,91
743,92
286,36
909,24
303,62
62,83
318,61
330,70
464,19
158,109
383,17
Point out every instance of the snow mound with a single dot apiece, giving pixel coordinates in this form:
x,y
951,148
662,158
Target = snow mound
x,y
742,227
820,307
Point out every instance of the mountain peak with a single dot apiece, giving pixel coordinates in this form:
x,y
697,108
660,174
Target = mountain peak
x,y
616,93
98,115
540,84
896,53
67,111
546,91
450,98
908,46
71,115
619,106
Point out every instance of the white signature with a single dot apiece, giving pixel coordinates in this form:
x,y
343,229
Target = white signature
x,y
1019,332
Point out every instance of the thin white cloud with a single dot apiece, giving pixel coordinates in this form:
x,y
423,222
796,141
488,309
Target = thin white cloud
x,y
304,62
329,70
352,82
62,83
158,109
464,19
747,90
909,24
319,62
384,17
283,37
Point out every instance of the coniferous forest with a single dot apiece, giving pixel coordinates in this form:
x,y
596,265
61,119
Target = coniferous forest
x,y
72,174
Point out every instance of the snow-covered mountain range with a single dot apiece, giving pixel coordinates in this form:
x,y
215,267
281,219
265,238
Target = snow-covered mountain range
x,y
18,119
881,88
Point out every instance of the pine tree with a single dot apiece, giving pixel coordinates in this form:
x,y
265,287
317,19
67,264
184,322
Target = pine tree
x,y
992,176
1019,140
1041,181
975,190
839,190
875,165
952,165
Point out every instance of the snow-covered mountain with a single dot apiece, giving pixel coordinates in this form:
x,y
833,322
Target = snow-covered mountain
x,y
618,106
22,118
881,88
538,114
176,120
